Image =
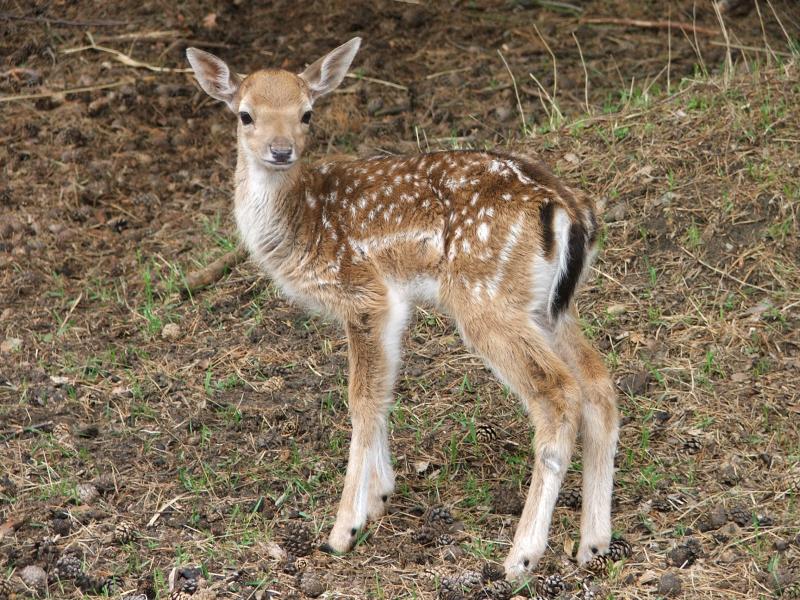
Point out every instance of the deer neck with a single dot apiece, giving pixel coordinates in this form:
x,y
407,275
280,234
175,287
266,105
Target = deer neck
x,y
268,211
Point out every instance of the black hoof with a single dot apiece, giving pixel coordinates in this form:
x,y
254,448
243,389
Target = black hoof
x,y
526,563
384,498
353,531
327,548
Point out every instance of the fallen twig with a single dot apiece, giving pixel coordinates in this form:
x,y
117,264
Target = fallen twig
x,y
212,272
88,88
50,20
45,427
123,58
396,86
650,24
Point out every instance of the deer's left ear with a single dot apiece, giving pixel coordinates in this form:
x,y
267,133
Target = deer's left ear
x,y
327,73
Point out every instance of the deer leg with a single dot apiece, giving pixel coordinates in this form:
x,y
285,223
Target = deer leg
x,y
521,355
374,353
599,432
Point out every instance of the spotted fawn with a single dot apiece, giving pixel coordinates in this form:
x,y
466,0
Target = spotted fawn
x,y
494,240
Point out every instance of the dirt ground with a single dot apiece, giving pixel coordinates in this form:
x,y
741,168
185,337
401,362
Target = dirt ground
x,y
151,438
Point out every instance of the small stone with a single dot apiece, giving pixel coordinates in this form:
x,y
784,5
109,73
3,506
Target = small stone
x,y
616,213
669,585
503,113
718,516
374,105
171,331
728,474
617,309
11,345
635,384
87,492
34,577
781,545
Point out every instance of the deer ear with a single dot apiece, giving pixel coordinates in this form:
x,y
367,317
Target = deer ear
x,y
213,75
327,73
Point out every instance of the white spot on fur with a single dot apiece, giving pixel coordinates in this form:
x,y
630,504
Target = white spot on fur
x,y
483,232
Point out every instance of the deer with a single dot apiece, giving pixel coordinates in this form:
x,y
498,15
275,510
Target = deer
x,y
494,240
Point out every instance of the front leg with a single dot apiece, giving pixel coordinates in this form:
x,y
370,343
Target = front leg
x,y
374,353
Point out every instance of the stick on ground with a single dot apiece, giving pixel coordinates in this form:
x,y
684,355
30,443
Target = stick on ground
x,y
212,272
650,24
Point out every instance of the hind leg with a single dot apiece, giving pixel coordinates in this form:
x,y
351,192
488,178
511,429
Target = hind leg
x,y
599,432
521,355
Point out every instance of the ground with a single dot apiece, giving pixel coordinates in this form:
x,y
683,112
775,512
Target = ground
x,y
143,429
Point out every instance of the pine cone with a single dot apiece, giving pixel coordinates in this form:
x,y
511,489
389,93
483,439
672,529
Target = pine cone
x,y
451,595
5,588
290,566
189,585
619,549
179,595
792,591
91,584
498,590
69,566
692,445
439,515
506,500
46,551
124,532
570,498
205,594
599,564
685,555
297,539
485,433
492,572
662,505
425,535
61,526
741,516
437,574
445,539
469,579
550,586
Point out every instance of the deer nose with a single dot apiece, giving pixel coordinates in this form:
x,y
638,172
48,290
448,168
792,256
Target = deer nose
x,y
281,150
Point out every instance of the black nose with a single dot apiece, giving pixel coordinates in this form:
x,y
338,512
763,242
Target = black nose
x,y
280,154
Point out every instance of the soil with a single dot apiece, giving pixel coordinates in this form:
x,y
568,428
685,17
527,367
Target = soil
x,y
144,448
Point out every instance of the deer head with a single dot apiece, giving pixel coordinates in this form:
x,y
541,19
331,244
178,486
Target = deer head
x,y
274,106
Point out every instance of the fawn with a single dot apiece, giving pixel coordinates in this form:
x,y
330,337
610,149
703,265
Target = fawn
x,y
494,240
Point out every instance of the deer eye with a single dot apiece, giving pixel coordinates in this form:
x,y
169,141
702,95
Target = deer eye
x,y
306,117
246,118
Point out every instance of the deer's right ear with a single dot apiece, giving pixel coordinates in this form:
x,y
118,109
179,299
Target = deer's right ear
x,y
213,75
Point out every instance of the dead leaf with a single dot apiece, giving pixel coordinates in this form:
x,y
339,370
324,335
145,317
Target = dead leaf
x,y
210,21
12,524
569,546
648,576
